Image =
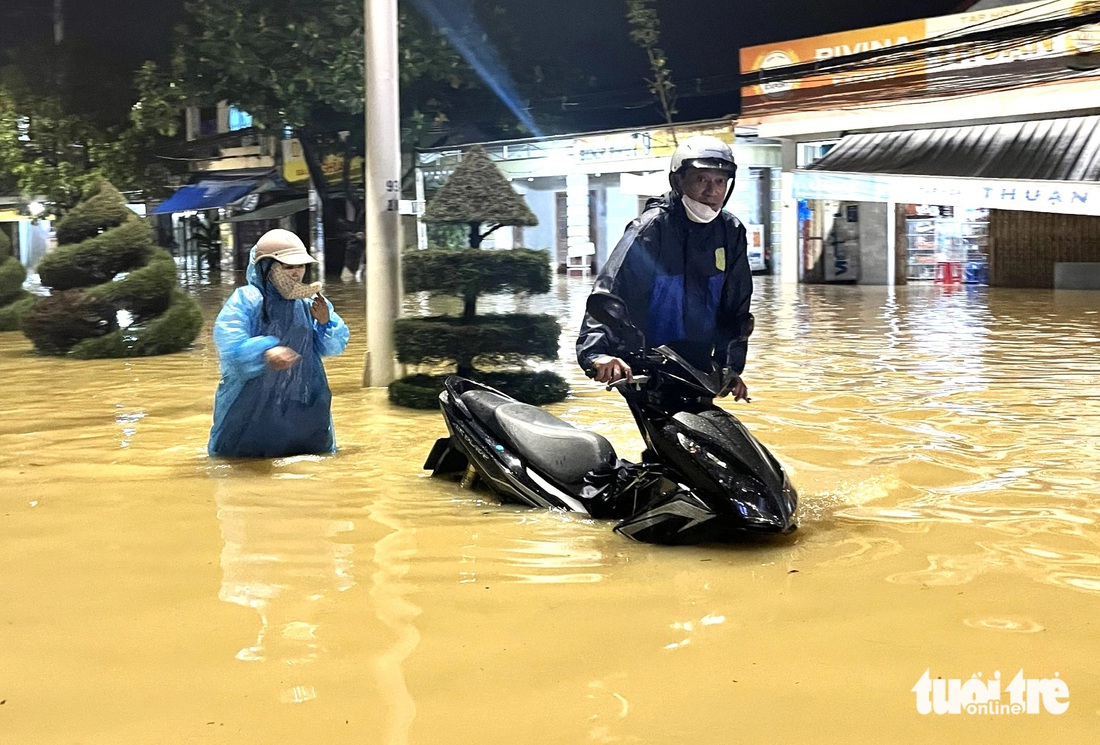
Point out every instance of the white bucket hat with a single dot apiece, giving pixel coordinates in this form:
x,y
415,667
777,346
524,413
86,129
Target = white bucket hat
x,y
283,246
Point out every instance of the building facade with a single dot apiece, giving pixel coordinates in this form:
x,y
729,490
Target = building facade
x,y
586,188
939,149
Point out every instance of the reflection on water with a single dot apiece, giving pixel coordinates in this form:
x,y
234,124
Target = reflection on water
x,y
943,441
282,559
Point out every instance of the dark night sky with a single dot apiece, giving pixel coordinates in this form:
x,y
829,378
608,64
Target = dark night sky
x,y
700,37
128,31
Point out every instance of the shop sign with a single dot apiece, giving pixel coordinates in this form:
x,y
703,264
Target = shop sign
x,y
295,170
654,143
916,74
1059,197
1007,16
820,48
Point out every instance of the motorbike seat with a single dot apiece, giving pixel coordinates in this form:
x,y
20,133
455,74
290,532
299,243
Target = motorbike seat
x,y
557,448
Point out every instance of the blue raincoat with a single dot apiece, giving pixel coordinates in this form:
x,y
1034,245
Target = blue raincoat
x,y
264,413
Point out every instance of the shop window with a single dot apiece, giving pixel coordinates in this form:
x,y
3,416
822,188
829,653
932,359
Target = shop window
x,y
809,152
208,121
239,119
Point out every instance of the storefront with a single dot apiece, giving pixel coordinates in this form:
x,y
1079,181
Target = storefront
x,y
954,228
934,153
946,244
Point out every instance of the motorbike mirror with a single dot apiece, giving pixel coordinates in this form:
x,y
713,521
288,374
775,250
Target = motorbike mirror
x,y
608,309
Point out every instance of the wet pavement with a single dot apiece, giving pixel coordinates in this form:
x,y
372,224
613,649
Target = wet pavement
x,y
943,440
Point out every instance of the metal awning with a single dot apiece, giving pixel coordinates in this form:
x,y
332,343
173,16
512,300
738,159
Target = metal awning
x,y
1050,165
1048,149
206,195
272,211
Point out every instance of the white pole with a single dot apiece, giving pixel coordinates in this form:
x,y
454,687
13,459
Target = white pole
x,y
891,244
383,189
788,251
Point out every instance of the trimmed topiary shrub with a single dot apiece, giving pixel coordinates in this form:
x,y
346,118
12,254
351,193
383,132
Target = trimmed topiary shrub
x,y
59,322
468,274
106,265
477,194
492,339
11,316
14,300
538,388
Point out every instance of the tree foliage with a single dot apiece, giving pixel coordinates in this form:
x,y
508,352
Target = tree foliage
x,y
494,339
10,150
645,31
298,65
471,273
280,60
51,153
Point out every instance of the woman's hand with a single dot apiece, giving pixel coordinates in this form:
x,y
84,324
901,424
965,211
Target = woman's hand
x,y
319,309
281,358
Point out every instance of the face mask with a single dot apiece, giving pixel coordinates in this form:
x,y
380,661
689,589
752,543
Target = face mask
x,y
288,286
697,211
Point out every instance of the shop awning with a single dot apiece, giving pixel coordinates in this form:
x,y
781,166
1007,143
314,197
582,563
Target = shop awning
x,y
1046,150
206,195
272,211
1041,166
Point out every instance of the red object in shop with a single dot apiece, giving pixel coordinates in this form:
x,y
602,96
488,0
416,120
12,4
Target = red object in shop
x,y
948,273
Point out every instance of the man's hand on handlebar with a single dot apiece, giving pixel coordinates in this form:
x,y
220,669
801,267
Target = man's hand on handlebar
x,y
732,384
608,369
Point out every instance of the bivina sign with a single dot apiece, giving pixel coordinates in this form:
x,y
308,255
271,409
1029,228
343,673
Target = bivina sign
x,y
985,696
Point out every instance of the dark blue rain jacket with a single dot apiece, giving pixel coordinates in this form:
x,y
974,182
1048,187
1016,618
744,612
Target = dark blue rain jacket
x,y
264,413
685,284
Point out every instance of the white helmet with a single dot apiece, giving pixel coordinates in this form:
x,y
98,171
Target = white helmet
x,y
283,246
703,151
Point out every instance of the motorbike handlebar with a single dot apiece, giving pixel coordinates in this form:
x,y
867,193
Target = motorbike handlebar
x,y
637,380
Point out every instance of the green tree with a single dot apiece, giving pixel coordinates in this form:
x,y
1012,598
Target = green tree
x,y
478,195
299,65
645,31
10,151
50,153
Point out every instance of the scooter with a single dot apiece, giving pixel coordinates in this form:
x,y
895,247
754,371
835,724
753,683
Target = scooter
x,y
703,477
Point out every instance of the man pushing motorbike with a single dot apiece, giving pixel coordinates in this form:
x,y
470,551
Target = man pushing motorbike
x,y
682,269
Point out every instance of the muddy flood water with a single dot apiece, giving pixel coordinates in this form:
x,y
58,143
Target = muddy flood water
x,y
944,442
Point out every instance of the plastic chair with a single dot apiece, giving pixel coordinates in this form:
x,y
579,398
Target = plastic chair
x,y
948,273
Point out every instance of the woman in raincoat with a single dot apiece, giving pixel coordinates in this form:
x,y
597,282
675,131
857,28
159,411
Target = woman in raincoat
x,y
273,399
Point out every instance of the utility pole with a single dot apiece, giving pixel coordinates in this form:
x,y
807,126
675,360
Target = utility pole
x,y
383,189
